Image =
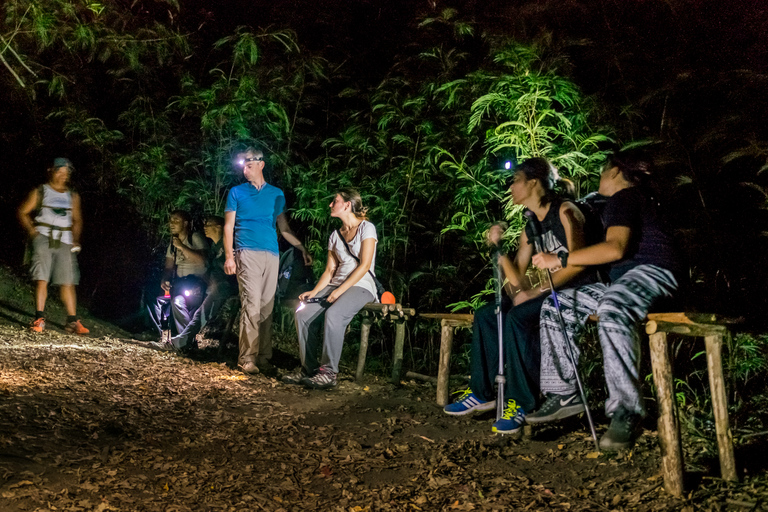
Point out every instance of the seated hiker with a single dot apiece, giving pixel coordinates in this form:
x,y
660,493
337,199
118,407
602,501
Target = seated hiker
x,y
183,277
219,287
643,266
533,185
347,284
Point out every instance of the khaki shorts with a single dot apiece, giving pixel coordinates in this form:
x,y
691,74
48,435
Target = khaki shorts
x,y
55,266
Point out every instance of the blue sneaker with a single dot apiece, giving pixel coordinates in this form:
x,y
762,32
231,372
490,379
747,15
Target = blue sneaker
x,y
467,403
512,420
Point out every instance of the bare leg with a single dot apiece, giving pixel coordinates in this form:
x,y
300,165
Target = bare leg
x,y
41,294
69,298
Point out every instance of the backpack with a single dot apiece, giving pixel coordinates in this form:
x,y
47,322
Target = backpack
x,y
592,206
293,277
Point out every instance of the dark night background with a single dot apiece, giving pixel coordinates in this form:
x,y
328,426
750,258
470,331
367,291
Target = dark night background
x,y
687,73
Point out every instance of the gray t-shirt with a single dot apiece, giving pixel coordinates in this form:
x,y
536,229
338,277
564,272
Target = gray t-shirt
x,y
184,266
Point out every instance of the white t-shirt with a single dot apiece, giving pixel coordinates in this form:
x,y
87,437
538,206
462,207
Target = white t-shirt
x,y
347,264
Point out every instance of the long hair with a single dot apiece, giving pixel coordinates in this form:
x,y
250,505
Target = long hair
x,y
635,165
353,196
554,187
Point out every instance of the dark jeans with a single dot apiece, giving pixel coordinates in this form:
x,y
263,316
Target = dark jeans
x,y
522,352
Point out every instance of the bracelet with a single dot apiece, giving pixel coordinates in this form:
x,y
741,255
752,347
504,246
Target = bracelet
x,y
563,257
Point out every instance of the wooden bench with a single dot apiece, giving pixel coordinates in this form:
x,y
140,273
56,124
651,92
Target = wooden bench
x,y
710,327
713,330
395,313
448,323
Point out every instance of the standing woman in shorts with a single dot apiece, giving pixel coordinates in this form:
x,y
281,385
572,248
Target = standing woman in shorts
x,y
345,287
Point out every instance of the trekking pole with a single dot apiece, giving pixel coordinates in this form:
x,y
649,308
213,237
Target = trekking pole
x,y
537,247
500,379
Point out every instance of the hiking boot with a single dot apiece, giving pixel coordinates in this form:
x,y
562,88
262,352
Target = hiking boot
x,y
557,407
162,346
249,368
295,378
38,325
623,431
324,379
76,328
512,420
467,403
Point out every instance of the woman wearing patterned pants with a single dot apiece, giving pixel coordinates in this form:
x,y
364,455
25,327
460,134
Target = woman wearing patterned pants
x,y
643,267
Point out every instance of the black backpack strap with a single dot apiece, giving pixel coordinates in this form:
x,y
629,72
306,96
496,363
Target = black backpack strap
x,y
346,245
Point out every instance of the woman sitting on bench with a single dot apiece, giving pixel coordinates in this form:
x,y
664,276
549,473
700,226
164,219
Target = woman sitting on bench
x,y
562,229
347,284
642,269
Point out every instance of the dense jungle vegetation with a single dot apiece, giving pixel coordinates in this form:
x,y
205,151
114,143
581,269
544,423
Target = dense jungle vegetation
x,y
412,103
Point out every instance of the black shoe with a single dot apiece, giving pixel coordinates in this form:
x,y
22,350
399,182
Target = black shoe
x,y
294,378
624,430
557,407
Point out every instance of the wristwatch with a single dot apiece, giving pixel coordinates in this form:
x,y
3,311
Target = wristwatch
x,y
563,257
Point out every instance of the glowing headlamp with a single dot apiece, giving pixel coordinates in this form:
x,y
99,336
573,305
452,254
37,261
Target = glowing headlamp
x,y
243,161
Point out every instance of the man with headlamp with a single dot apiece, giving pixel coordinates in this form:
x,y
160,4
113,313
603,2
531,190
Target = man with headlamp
x,y
253,212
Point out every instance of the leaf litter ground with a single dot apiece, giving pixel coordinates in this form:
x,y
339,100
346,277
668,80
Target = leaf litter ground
x,y
100,424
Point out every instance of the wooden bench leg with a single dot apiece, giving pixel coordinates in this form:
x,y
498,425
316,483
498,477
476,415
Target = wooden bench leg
x,y
397,363
444,369
669,428
365,331
720,406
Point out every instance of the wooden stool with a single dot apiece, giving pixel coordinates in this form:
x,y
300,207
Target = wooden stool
x,y
713,332
394,313
448,322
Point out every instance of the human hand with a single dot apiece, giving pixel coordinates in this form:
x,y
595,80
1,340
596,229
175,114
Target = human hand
x,y
496,233
546,260
229,266
308,260
306,295
166,286
176,241
335,294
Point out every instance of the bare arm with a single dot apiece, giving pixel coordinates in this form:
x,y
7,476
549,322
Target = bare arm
x,y
288,234
77,219
229,237
168,271
613,249
24,213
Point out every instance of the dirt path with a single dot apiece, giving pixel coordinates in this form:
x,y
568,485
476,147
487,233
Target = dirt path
x,y
99,424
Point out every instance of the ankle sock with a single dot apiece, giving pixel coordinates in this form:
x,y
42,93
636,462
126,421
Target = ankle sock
x,y
71,318
39,314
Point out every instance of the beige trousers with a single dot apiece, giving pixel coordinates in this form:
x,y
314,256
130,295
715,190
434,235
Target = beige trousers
x,y
257,279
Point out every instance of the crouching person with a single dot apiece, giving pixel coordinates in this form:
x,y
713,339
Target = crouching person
x,y
183,278
219,288
642,269
533,185
346,285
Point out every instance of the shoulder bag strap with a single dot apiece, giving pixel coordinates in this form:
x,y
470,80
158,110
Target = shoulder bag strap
x,y
346,245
